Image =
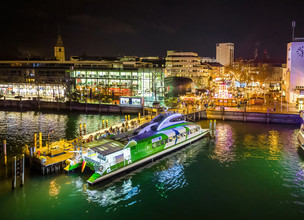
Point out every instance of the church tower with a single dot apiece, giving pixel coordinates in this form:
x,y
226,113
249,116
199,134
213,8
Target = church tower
x,y
59,49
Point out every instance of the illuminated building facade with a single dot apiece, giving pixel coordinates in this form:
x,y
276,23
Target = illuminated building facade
x,y
225,53
109,84
48,80
186,64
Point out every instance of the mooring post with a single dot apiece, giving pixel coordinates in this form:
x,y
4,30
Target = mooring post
x,y
126,118
107,123
210,128
103,124
4,151
244,114
14,172
84,128
35,140
139,116
40,139
80,130
129,117
22,170
214,126
21,103
267,116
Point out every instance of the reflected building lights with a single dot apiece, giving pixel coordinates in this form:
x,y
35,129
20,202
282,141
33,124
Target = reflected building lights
x,y
224,150
54,188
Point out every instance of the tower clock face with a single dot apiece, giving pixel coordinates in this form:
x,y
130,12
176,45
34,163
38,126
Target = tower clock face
x,y
300,51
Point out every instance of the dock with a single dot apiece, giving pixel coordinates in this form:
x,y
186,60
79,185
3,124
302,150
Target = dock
x,y
55,156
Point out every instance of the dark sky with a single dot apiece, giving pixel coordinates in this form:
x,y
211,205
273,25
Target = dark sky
x,y
148,28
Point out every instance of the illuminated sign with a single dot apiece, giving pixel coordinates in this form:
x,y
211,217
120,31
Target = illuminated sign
x,y
131,101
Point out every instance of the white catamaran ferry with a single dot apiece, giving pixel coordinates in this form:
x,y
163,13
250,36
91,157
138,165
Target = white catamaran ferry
x,y
123,152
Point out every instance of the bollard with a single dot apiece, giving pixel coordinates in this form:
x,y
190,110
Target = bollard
x,y
40,140
99,128
84,128
4,151
210,127
129,117
14,173
22,170
126,118
138,115
35,140
107,123
103,124
214,127
80,130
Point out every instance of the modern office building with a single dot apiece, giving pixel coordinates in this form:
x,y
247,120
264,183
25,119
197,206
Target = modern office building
x,y
186,64
225,53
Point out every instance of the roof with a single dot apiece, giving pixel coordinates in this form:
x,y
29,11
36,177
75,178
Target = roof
x,y
105,146
59,41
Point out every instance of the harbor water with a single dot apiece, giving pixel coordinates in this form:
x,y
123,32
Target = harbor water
x,y
248,171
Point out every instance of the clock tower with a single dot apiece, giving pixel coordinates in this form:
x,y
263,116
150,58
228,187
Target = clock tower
x,y
295,70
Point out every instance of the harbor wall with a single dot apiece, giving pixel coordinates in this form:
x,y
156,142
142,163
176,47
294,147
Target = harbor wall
x,y
247,116
35,105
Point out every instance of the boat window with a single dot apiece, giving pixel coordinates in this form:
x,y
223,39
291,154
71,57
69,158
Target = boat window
x,y
166,141
176,119
158,143
154,145
162,142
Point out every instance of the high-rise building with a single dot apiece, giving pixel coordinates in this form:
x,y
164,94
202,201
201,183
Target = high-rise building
x,y
295,70
225,53
59,49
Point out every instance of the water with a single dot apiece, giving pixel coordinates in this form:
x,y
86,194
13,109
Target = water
x,y
250,171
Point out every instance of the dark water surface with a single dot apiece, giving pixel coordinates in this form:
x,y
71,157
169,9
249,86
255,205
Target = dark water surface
x,y
250,171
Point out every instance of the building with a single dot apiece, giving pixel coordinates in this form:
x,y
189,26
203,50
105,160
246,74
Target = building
x,y
208,60
295,70
186,64
225,53
110,80
59,49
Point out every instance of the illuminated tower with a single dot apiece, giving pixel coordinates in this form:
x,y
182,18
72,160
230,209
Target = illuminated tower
x,y
59,49
295,68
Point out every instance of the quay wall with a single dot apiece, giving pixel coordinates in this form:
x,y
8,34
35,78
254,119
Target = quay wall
x,y
34,105
247,116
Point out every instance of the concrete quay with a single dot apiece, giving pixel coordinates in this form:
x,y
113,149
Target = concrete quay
x,y
263,117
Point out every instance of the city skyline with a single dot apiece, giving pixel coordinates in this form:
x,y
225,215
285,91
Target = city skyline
x,y
112,29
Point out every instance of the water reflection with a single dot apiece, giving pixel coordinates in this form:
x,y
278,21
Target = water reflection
x,y
172,170
54,188
114,194
18,128
224,150
266,145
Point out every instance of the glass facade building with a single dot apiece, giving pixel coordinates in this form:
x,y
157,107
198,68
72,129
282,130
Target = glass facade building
x,y
108,85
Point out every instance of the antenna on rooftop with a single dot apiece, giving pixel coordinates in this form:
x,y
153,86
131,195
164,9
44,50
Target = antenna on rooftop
x,y
293,24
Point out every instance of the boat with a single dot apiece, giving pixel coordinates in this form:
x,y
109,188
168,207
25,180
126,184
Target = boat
x,y
121,153
301,132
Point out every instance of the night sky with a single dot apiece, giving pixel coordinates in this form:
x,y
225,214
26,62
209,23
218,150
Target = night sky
x,y
147,28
